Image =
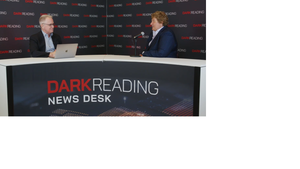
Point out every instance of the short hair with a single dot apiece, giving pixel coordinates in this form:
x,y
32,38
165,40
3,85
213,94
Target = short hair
x,y
44,17
161,17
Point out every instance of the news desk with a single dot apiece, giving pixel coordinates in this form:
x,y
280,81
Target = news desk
x,y
103,85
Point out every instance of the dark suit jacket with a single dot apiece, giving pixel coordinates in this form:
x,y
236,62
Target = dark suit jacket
x,y
37,44
163,45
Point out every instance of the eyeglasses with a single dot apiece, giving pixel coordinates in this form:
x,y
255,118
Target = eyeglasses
x,y
49,24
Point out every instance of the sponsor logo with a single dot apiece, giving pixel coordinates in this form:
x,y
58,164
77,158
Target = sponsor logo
x,y
24,13
134,4
181,50
82,47
79,26
3,39
98,46
116,46
33,26
3,13
97,6
90,36
192,12
108,36
79,4
198,51
154,2
143,14
148,26
178,26
90,16
199,25
115,5
108,16
72,37
124,36
132,47
171,13
125,15
35,2
133,26
59,3
192,37
115,26
11,51
10,26
177,1
71,15
60,26
52,14
97,26
21,38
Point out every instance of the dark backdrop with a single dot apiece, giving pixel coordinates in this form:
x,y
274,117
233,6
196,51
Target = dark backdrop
x,y
102,26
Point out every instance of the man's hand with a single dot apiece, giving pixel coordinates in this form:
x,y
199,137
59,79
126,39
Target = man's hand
x,y
52,54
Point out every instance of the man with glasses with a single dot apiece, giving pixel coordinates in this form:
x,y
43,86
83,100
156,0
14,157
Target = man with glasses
x,y
43,43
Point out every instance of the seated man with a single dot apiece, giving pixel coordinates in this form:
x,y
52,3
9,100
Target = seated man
x,y
162,41
43,43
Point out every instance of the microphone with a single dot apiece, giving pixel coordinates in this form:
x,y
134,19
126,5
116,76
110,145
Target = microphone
x,y
141,34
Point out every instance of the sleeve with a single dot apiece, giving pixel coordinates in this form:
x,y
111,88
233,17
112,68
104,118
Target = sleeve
x,y
34,48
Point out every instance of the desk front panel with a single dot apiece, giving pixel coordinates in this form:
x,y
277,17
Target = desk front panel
x,y
100,88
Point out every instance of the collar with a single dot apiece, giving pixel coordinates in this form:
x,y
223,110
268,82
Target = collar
x,y
46,35
156,32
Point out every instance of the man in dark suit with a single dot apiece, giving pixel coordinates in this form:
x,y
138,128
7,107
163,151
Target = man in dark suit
x,y
43,43
162,41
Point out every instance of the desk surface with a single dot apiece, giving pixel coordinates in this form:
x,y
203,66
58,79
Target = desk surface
x,y
117,58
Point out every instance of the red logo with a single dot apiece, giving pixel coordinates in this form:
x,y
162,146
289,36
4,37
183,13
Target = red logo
x,y
97,6
80,85
108,16
115,46
134,4
79,4
90,36
115,5
154,2
132,47
10,26
98,46
11,51
21,38
192,12
192,37
198,51
59,3
90,16
198,25
4,52
72,37
97,26
174,1
35,2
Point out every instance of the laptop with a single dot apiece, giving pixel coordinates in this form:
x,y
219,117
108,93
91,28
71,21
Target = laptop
x,y
66,50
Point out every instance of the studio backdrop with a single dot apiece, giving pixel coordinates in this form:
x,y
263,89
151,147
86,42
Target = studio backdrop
x,y
102,26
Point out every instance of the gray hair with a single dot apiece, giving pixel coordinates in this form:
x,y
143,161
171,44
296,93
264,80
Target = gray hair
x,y
44,17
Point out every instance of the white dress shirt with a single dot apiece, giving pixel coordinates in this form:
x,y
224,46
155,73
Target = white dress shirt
x,y
49,43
